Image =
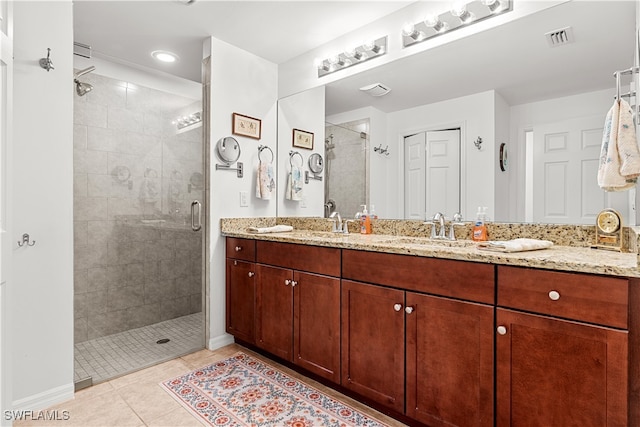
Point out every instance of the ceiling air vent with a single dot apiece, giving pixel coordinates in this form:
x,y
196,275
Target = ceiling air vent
x,y
376,89
560,37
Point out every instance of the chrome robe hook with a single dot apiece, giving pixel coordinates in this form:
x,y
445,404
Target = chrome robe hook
x,y
47,63
25,241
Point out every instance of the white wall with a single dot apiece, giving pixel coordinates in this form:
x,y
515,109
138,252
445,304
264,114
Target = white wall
x,y
474,114
304,111
242,83
523,117
42,294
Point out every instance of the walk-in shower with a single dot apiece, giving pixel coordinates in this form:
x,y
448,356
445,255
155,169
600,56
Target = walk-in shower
x,y
81,87
138,292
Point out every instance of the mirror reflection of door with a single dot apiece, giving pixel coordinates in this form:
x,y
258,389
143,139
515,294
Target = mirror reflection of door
x,y
564,178
432,174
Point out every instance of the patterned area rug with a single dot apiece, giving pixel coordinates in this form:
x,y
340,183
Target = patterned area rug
x,y
243,391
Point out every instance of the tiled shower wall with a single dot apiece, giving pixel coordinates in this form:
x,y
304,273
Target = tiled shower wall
x,y
346,165
137,261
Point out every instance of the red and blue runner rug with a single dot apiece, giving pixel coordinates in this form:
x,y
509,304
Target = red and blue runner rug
x,y
244,391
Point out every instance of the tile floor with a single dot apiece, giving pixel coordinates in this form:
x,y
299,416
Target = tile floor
x,y
138,400
115,355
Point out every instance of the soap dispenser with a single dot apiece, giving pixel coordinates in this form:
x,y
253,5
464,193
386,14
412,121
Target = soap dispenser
x,y
365,221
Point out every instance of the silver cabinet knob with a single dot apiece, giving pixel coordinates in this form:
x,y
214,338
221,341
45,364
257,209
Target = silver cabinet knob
x,y
293,283
397,307
554,295
251,274
238,248
502,330
408,310
287,282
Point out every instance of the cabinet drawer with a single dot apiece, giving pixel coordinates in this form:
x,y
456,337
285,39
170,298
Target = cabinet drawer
x,y
458,279
588,298
313,259
244,249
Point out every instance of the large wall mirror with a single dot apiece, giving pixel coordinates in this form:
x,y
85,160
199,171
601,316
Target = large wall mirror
x,y
507,85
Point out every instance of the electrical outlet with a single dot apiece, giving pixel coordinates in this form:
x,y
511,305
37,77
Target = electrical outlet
x,y
303,202
244,199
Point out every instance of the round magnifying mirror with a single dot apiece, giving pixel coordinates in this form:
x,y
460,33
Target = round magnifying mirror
x,y
316,164
228,150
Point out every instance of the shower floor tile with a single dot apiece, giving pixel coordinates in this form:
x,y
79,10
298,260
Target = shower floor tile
x,y
115,355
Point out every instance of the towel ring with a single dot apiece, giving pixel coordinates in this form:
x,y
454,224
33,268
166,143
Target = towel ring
x,y
264,147
293,153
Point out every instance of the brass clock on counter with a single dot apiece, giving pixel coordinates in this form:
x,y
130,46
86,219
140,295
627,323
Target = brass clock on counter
x,y
608,230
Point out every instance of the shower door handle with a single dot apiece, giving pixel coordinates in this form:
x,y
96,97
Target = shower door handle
x,y
196,226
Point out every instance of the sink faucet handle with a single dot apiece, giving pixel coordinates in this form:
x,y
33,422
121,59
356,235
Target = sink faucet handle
x,y
457,217
457,221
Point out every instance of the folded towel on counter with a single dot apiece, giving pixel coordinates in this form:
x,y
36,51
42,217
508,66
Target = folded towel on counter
x,y
619,165
294,184
274,229
265,184
515,245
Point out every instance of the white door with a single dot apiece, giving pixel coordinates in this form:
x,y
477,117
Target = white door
x,y
432,174
565,186
6,99
414,176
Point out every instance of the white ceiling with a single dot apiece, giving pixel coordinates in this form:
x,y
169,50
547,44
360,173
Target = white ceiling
x,y
274,30
513,58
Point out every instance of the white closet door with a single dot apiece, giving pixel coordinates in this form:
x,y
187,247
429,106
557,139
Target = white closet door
x,y
432,174
414,176
565,185
443,172
6,100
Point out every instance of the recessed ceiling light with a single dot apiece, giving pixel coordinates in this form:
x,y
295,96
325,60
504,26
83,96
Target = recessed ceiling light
x,y
164,56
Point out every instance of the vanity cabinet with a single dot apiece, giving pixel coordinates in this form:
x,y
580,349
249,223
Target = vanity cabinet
x,y
298,305
433,355
240,288
565,361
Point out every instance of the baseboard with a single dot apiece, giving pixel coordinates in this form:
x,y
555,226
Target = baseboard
x,y
45,399
220,341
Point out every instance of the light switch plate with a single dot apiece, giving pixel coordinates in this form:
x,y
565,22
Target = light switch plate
x,y
244,199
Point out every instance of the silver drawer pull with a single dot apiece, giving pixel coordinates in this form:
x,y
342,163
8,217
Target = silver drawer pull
x,y
293,283
397,307
554,295
287,282
502,330
251,274
408,310
238,248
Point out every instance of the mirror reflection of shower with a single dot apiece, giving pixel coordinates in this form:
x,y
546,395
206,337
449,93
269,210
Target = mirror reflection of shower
x,y
347,167
82,88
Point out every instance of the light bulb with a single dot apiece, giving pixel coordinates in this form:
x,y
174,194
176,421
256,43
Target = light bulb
x,y
459,10
433,21
354,53
372,46
493,5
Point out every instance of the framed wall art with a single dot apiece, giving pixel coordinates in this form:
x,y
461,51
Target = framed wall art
x,y
246,126
302,139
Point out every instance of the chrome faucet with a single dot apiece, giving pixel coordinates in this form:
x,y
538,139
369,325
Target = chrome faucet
x,y
457,220
438,218
337,222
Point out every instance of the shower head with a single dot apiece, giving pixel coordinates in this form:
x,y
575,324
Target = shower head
x,y
82,88
83,72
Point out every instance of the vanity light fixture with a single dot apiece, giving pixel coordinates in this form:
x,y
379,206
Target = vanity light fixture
x,y
189,121
462,13
352,56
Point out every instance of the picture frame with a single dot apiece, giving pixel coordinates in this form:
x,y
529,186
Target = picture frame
x,y
303,139
246,126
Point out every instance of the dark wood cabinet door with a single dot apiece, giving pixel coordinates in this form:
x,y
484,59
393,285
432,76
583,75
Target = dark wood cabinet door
x,y
274,310
373,342
559,373
449,361
316,338
240,300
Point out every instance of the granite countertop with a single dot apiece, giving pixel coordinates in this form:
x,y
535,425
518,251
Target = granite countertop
x,y
562,258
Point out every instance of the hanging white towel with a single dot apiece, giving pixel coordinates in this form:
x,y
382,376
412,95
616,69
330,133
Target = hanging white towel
x,y
619,165
294,184
265,184
515,245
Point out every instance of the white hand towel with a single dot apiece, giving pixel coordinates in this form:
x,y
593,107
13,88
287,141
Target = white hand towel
x,y
265,184
294,184
274,229
515,245
619,165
